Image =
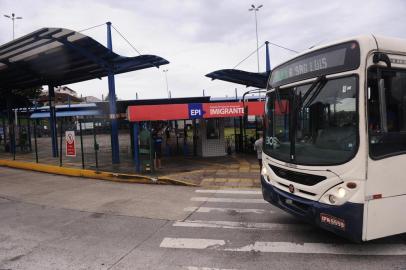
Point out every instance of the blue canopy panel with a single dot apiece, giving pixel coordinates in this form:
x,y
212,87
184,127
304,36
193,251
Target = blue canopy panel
x,y
75,106
36,115
246,78
61,56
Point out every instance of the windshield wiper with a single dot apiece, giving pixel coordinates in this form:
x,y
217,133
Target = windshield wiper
x,y
279,100
314,90
298,106
317,85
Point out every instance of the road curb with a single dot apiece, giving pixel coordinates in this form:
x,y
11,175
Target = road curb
x,y
100,175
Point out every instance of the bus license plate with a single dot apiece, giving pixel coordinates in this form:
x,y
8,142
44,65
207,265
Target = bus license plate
x,y
333,221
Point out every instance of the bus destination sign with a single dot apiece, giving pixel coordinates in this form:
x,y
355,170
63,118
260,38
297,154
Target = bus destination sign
x,y
325,61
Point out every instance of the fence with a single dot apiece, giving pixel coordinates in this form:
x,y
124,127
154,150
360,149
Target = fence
x,y
30,140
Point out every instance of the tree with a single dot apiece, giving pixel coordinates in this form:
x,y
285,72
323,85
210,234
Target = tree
x,y
20,98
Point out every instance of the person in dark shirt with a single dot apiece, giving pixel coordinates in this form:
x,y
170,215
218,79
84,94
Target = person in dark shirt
x,y
157,149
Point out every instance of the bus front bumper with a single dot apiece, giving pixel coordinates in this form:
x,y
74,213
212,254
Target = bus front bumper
x,y
344,220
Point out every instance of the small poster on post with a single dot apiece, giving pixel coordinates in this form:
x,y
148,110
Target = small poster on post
x,y
70,143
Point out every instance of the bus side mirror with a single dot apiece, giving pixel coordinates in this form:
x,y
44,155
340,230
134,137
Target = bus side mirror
x,y
378,57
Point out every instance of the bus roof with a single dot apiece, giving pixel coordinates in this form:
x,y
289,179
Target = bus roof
x,y
367,43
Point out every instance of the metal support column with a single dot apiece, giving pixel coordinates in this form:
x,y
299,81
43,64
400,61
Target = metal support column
x,y
4,132
81,144
19,129
194,138
96,145
268,59
236,142
14,141
35,140
61,142
29,131
52,120
241,135
136,147
152,155
115,152
177,137
11,130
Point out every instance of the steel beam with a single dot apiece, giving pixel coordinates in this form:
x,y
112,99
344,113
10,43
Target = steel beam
x,y
268,60
136,147
52,120
115,153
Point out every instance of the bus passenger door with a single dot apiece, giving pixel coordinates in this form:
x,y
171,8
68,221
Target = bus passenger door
x,y
386,179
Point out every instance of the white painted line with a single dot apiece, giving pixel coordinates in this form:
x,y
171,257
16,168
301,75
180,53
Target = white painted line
x,y
288,247
205,268
191,243
228,200
224,210
240,225
223,191
321,248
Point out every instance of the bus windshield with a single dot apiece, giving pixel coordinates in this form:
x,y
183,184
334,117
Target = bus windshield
x,y
313,124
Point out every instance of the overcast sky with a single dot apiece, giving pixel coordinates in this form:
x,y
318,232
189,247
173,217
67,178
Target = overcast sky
x,y
201,36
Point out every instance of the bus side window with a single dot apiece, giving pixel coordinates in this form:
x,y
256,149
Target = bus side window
x,y
388,138
373,104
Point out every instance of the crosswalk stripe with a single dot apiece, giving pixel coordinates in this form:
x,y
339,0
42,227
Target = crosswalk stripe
x,y
224,191
321,248
239,225
192,243
205,268
289,247
224,210
228,200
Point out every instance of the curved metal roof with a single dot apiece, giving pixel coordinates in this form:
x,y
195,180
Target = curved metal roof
x,y
60,56
241,77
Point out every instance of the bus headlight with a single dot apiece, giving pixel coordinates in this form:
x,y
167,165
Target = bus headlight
x,y
263,171
332,199
341,193
335,196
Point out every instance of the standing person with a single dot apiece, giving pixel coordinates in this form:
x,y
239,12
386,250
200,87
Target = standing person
x,y
157,149
258,147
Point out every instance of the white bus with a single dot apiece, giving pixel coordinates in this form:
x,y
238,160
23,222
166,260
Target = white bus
x,y
335,137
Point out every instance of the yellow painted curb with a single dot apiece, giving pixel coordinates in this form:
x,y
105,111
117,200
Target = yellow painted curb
x,y
109,176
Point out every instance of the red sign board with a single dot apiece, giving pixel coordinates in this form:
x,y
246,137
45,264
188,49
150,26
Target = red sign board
x,y
220,110
157,112
70,143
192,111
256,108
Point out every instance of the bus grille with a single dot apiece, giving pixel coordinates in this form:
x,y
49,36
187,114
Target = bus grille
x,y
297,177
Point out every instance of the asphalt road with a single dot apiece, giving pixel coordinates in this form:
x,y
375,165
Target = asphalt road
x,y
56,222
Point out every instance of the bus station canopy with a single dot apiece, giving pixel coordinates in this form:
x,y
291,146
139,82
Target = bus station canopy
x,y
59,56
246,78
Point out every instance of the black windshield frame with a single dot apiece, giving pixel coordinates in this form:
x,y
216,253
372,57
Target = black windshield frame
x,y
293,132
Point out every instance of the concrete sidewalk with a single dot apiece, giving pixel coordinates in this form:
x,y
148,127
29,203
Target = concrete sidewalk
x,y
235,171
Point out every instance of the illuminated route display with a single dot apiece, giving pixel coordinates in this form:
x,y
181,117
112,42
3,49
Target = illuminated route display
x,y
325,61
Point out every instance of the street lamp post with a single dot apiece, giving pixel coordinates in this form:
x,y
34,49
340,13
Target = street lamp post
x,y
13,18
166,80
255,9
